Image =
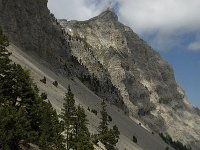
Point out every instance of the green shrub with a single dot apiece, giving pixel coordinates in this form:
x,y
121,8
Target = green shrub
x,y
44,80
134,139
109,118
88,108
167,148
43,96
94,111
55,83
175,144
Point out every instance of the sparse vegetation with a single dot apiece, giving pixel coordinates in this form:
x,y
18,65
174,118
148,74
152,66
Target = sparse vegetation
x,y
44,80
175,144
109,137
109,118
134,139
88,108
24,116
43,96
94,111
75,125
167,148
55,83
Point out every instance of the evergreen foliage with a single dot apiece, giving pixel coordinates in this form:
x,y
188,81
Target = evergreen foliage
x,y
55,83
14,126
94,111
175,144
109,118
167,148
4,54
50,129
103,126
44,80
109,137
24,116
44,96
75,125
82,139
68,117
134,139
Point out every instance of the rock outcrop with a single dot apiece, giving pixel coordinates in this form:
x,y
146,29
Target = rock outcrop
x,y
110,59
29,25
146,83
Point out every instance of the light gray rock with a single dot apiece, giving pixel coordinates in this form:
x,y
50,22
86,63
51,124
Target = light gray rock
x,y
30,26
110,59
146,83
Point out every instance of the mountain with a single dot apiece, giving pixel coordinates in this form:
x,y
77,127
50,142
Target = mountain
x,y
143,79
111,61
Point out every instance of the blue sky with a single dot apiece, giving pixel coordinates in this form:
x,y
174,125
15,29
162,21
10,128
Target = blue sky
x,y
171,27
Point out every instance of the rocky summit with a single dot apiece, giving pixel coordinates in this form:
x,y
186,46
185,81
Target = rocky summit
x,y
111,60
145,82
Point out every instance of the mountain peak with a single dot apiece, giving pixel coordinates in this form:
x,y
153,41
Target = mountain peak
x,y
108,15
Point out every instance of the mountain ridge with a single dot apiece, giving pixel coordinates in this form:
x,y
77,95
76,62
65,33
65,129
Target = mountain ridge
x,y
145,81
110,59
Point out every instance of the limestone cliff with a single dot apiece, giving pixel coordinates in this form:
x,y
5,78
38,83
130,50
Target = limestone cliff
x,y
146,83
29,25
110,59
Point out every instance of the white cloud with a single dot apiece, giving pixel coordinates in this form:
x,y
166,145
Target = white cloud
x,y
69,9
194,46
143,15
163,18
162,15
76,9
167,20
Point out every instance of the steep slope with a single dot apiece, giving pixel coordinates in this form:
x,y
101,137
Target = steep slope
x,y
83,96
29,25
144,80
112,61
31,28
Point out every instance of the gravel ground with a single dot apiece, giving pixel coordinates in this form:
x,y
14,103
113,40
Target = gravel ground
x,y
86,98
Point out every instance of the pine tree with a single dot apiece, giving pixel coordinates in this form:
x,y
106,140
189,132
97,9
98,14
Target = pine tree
x,y
15,127
5,65
16,86
24,116
109,137
3,39
68,116
50,129
103,127
82,140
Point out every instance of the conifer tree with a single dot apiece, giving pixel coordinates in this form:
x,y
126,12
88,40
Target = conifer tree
x,y
69,116
103,127
50,129
3,39
24,116
5,65
82,140
109,137
15,127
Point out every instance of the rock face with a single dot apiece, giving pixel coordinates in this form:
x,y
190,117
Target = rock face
x,y
146,83
110,59
30,26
